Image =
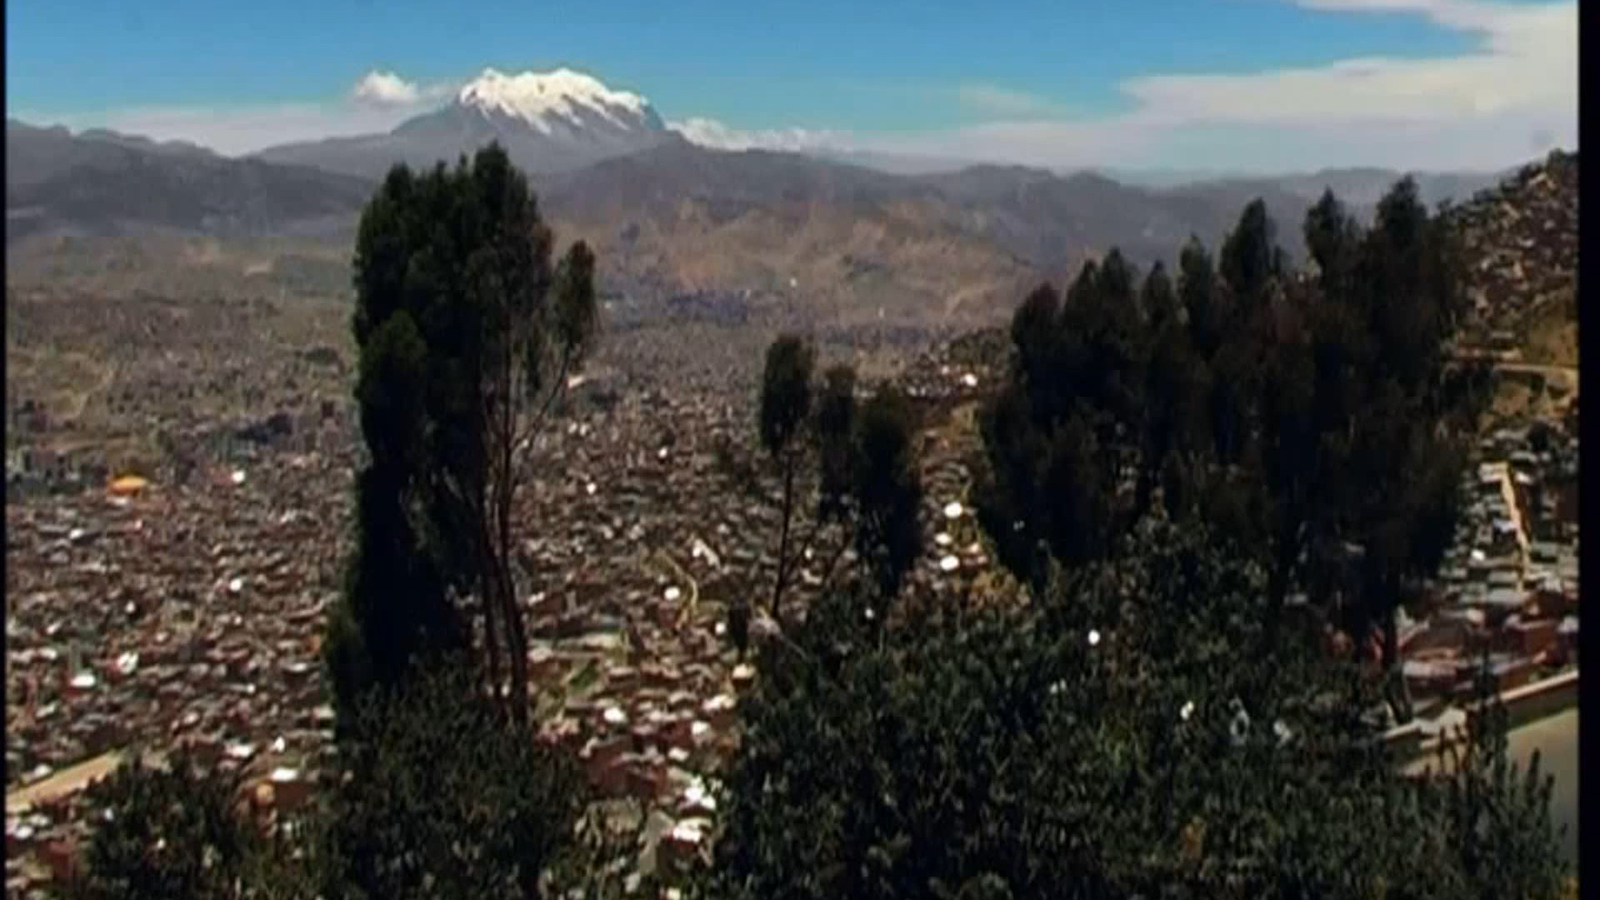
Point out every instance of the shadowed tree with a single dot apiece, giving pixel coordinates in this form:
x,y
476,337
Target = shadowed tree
x,y
1203,299
1065,436
1158,299
449,798
1250,259
1333,239
1405,294
1175,385
1298,415
887,491
1125,735
785,406
835,423
467,335
866,480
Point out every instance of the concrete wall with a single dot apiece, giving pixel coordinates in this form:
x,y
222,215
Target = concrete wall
x,y
1409,743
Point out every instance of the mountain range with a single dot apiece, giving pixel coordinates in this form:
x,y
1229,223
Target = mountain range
x,y
100,182
550,122
669,216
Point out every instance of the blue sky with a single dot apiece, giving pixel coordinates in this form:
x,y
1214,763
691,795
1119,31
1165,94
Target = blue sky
x,y
991,79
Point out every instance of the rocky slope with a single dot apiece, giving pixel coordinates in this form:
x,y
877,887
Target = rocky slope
x,y
1520,240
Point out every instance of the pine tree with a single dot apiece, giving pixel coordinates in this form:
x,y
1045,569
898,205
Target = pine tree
x,y
467,336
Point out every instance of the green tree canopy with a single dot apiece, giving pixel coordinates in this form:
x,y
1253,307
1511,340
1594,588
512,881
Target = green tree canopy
x,y
1296,414
467,333
171,832
887,490
448,798
859,459
1127,736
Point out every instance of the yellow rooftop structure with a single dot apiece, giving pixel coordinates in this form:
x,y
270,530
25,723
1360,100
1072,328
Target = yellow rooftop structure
x,y
128,484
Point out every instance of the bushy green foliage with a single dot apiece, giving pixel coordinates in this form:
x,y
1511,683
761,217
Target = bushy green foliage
x,y
442,796
170,832
445,797
1132,734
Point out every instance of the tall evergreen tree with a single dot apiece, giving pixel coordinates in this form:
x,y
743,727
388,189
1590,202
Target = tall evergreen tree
x,y
467,335
1250,259
860,461
1274,407
1204,303
887,491
784,409
1332,236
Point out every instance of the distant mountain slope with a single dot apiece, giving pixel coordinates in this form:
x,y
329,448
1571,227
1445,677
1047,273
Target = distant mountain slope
x,y
1058,221
682,218
1365,187
730,230
657,179
37,154
552,122
781,228
661,213
99,183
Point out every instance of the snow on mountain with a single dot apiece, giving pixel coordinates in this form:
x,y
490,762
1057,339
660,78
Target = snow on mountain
x,y
547,121
539,98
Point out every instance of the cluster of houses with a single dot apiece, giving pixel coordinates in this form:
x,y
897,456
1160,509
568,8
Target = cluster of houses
x,y
185,608
141,614
1508,588
162,612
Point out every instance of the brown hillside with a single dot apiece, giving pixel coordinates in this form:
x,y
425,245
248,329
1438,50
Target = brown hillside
x,y
1520,241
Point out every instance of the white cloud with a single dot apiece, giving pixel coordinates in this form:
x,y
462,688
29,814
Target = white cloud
x,y
1529,63
1512,98
388,89
1001,101
714,134
385,89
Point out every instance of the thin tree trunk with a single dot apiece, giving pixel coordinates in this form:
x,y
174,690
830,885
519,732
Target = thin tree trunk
x,y
1282,571
516,637
515,642
1391,663
783,539
845,539
491,636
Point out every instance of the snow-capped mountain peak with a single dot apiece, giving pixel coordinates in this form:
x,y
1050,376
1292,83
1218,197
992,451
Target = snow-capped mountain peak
x,y
541,98
546,121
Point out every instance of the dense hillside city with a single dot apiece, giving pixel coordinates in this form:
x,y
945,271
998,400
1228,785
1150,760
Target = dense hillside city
x,y
498,485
